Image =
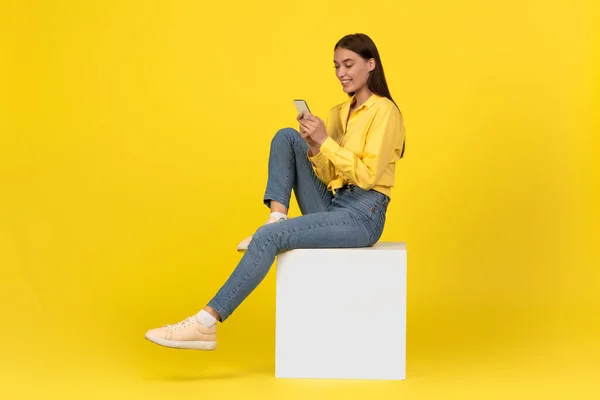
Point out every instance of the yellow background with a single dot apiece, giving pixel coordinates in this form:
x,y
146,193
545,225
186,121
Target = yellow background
x,y
133,150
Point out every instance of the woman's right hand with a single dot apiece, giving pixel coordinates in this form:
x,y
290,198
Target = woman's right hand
x,y
312,145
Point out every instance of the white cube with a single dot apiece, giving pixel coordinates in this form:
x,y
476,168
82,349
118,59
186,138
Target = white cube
x,y
341,313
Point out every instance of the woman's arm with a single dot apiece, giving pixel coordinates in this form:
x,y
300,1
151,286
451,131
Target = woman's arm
x,y
385,135
322,166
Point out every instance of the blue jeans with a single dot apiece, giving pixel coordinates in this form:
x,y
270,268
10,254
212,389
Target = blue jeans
x,y
353,217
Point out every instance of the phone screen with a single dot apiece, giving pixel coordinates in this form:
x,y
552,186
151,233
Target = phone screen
x,y
301,106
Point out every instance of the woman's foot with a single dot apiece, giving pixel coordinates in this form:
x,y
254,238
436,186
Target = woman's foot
x,y
243,245
187,334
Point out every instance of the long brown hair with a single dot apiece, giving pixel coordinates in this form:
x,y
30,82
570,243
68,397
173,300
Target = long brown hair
x,y
364,46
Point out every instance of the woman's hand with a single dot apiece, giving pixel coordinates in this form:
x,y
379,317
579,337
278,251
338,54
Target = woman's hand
x,y
312,130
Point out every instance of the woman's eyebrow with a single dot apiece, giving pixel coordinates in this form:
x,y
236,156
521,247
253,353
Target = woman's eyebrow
x,y
347,59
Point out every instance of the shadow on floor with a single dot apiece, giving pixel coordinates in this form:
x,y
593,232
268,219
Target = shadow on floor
x,y
221,373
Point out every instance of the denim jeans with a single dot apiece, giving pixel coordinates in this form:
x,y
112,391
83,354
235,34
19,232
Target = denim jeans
x,y
353,217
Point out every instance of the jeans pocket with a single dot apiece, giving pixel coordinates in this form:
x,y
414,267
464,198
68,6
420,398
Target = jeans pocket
x,y
378,217
377,226
377,203
368,206
382,202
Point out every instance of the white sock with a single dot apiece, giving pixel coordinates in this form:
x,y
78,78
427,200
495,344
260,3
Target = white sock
x,y
278,215
206,319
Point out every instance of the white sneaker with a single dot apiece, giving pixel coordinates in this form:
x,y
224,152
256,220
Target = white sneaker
x,y
243,245
187,334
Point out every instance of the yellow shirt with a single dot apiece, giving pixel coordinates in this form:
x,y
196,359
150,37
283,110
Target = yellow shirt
x,y
363,152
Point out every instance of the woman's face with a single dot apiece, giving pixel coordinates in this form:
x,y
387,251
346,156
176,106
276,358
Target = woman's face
x,y
351,69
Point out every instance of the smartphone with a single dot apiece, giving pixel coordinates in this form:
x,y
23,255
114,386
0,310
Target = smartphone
x,y
301,106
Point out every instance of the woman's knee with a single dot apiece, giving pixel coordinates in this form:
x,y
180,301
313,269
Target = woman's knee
x,y
267,235
285,135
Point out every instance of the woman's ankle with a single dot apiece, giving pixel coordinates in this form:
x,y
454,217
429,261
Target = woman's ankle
x,y
278,207
278,216
212,312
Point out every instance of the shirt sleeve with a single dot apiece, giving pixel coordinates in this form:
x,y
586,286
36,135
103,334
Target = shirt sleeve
x,y
322,166
384,136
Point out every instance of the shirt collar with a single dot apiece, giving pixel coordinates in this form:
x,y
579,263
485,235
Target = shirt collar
x,y
370,101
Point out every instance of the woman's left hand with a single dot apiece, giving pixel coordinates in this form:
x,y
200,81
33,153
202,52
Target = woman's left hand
x,y
314,127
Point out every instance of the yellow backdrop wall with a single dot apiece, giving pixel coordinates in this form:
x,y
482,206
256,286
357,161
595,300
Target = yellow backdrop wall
x,y
133,146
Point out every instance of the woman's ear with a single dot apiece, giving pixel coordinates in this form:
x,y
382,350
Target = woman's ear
x,y
371,64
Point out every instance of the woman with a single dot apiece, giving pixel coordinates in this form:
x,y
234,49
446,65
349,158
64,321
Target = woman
x,y
341,171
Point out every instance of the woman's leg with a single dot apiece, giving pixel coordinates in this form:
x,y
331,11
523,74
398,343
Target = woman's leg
x,y
332,229
355,218
290,168
335,228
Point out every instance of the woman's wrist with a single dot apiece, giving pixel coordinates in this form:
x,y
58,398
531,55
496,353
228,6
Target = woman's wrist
x,y
314,149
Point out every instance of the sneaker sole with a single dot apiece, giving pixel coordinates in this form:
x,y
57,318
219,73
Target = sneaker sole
x,y
184,344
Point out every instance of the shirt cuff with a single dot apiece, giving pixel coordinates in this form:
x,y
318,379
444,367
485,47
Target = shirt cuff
x,y
329,148
320,160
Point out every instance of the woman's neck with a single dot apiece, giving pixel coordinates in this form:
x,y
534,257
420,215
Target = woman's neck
x,y
362,95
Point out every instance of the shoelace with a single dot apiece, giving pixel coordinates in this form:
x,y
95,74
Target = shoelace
x,y
181,325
